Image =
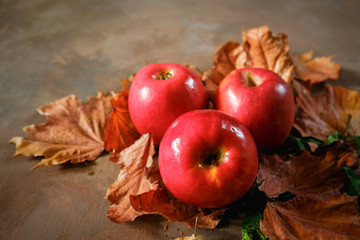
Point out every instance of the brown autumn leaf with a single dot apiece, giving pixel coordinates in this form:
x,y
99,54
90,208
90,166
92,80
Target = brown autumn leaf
x,y
317,69
192,237
319,116
73,131
136,176
120,131
305,173
159,201
326,215
195,69
126,83
271,52
260,48
318,211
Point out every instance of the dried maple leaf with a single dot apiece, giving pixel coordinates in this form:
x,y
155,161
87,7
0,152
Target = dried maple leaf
x,y
260,48
327,215
195,69
120,131
159,201
305,173
126,82
319,116
73,131
136,176
271,52
318,210
317,69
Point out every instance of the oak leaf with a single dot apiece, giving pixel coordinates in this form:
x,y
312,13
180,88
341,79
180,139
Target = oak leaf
x,y
260,48
159,201
319,116
316,69
120,131
136,176
73,131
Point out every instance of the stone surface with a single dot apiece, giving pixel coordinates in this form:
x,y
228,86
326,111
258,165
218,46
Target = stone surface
x,y
49,49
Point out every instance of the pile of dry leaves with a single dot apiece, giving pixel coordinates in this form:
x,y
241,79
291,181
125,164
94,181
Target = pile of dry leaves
x,y
308,189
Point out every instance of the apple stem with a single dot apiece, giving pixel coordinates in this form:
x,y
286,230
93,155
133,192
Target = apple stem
x,y
249,79
212,159
163,75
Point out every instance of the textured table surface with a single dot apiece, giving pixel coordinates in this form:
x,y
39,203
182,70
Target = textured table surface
x,y
50,49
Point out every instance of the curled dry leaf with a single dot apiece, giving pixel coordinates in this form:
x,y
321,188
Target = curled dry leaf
x,y
73,131
120,131
159,201
137,171
318,210
317,69
327,215
319,116
195,69
260,48
306,173
192,237
271,52
126,83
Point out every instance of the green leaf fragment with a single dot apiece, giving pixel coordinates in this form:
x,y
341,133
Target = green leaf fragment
x,y
333,137
250,227
298,142
352,187
302,142
356,139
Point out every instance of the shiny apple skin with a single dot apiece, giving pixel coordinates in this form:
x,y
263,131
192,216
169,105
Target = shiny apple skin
x,y
155,104
187,143
268,109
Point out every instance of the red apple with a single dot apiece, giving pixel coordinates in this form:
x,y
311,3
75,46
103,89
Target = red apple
x,y
208,158
160,93
260,99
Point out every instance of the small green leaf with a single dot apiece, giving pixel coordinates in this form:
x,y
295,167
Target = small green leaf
x,y
356,139
252,202
352,187
250,227
302,143
333,137
336,136
312,140
298,142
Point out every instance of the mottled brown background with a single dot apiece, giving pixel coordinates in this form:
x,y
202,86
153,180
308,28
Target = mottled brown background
x,y
49,49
